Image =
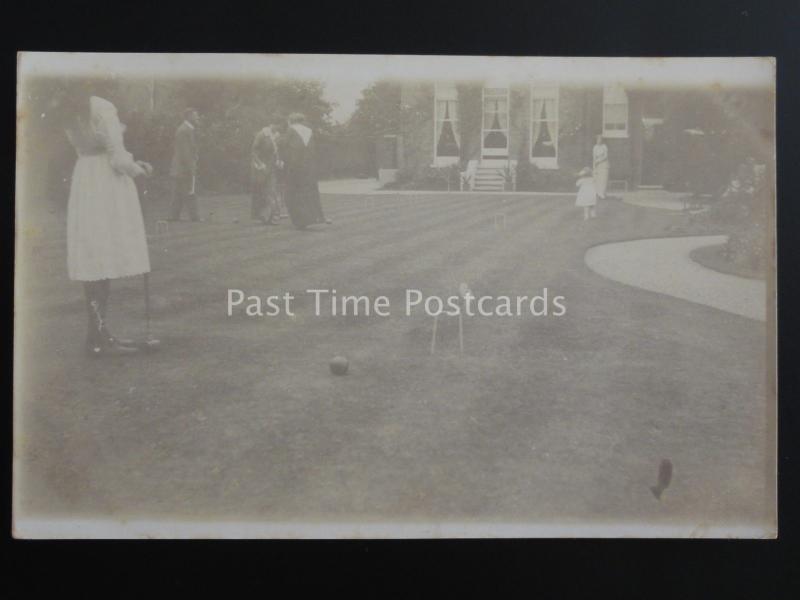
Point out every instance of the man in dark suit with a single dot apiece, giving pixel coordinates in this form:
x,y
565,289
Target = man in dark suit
x,y
184,167
264,165
298,153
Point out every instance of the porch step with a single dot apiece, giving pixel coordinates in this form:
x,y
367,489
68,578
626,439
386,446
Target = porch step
x,y
489,179
489,172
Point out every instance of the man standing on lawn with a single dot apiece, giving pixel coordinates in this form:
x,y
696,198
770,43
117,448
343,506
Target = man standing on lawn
x,y
264,167
184,167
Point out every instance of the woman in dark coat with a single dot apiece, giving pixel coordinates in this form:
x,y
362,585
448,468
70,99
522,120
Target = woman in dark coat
x,y
298,153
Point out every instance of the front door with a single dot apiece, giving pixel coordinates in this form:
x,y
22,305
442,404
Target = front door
x,y
494,130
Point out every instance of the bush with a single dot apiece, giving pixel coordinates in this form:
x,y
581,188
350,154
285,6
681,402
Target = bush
x,y
748,249
427,179
531,178
748,243
744,215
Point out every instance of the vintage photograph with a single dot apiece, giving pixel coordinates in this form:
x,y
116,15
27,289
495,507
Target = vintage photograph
x,y
362,296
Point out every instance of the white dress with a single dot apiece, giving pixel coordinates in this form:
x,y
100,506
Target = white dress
x,y
586,192
105,231
601,169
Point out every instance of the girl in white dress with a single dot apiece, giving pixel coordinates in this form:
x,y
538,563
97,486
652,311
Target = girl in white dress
x,y
587,197
105,231
601,167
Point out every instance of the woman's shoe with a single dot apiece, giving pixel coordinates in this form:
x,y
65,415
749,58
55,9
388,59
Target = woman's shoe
x,y
123,342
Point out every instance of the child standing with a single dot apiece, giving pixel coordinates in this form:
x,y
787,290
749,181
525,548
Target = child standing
x,y
587,198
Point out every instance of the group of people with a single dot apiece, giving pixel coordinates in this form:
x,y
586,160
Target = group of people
x,y
105,230
282,172
593,183
106,236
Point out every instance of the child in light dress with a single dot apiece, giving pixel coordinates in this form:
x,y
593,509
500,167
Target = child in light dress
x,y
587,198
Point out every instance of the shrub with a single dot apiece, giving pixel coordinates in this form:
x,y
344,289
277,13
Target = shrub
x,y
531,178
745,216
427,179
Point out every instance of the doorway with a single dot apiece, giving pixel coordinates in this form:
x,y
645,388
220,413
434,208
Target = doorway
x,y
495,124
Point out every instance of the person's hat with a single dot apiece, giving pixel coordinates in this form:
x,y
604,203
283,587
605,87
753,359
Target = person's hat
x,y
585,172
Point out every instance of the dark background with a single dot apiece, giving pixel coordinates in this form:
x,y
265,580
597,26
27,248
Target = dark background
x,y
538,568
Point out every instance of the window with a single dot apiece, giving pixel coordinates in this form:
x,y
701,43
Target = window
x,y
447,140
544,126
615,111
494,131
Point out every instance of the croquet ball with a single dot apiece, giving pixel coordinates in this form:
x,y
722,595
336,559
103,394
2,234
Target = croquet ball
x,y
339,365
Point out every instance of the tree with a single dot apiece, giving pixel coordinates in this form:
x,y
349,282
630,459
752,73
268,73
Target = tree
x,y
714,131
231,113
378,111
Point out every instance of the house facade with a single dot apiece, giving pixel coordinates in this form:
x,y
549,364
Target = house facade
x,y
498,133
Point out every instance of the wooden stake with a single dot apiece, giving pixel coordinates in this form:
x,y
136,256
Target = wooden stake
x,y
433,337
460,333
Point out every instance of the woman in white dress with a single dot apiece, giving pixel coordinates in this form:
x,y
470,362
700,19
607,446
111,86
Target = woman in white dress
x,y
105,231
600,167
586,198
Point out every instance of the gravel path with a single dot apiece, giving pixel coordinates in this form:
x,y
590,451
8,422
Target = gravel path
x,y
664,266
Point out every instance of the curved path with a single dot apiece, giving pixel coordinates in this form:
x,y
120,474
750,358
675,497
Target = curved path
x,y
663,265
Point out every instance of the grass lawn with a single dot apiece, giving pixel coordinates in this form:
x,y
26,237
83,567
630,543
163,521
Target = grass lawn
x,y
542,419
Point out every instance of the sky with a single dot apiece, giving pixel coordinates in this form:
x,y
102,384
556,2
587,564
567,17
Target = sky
x,y
357,70
345,76
344,94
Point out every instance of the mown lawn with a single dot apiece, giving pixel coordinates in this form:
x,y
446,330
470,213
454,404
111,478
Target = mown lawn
x,y
541,419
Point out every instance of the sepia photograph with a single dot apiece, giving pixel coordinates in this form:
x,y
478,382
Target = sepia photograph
x,y
296,296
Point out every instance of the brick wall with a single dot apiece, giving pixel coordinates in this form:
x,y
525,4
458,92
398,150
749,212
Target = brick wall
x,y
580,111
416,102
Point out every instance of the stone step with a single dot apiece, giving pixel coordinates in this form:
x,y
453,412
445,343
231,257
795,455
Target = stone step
x,y
489,179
